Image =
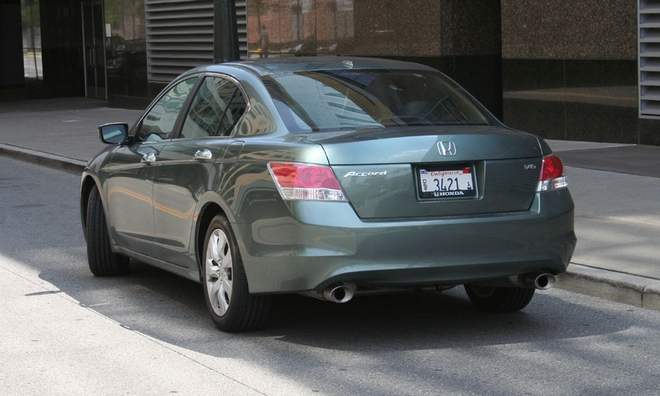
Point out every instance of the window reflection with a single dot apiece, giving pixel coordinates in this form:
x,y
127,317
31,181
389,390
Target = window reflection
x,y
126,47
299,27
161,118
347,99
215,110
30,20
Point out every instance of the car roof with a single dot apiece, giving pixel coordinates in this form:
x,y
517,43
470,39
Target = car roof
x,y
292,64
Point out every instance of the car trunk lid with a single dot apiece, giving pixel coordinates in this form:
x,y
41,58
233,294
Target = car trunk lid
x,y
379,169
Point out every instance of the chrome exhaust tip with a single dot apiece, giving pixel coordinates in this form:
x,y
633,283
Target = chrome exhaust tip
x,y
340,293
544,281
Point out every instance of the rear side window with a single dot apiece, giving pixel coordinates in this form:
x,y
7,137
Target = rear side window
x,y
160,120
216,108
330,100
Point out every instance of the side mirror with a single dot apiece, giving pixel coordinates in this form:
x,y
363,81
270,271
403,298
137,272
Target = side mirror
x,y
115,133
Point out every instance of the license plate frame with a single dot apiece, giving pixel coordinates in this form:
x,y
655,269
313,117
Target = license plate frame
x,y
422,173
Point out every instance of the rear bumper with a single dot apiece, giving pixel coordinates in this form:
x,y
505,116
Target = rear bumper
x,y
320,243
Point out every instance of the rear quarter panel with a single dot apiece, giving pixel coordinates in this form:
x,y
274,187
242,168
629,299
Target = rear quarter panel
x,y
248,191
246,186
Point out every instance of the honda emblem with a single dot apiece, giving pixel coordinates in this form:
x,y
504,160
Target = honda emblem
x,y
447,148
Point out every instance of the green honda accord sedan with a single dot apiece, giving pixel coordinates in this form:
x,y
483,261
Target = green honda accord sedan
x,y
327,177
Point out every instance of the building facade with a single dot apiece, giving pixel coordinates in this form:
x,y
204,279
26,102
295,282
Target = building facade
x,y
564,69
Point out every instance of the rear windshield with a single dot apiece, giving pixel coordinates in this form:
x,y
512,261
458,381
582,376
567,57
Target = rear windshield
x,y
331,100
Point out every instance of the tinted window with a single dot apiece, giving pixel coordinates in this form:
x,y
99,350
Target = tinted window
x,y
216,108
348,99
160,120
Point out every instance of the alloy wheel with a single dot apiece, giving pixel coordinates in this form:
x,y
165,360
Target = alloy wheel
x,y
218,272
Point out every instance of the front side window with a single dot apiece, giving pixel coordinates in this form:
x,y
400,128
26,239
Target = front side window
x,y
216,108
329,100
160,120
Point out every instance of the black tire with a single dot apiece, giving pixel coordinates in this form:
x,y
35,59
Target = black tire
x,y
246,311
102,261
499,299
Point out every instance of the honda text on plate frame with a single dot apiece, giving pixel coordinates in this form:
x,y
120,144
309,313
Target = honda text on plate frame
x,y
327,177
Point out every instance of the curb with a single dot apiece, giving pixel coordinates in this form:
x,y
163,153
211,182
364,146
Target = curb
x,y
71,165
613,286
609,285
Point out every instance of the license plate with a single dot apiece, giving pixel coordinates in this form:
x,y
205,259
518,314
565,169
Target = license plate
x,y
446,183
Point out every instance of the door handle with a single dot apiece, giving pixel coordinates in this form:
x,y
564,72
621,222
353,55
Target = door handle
x,y
148,158
203,154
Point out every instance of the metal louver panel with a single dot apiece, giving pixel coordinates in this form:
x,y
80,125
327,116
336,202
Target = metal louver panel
x,y
241,24
649,58
179,36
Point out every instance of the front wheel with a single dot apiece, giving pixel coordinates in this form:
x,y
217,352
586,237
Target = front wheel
x,y
102,260
499,299
228,300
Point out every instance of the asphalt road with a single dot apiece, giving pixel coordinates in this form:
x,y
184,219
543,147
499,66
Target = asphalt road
x,y
63,331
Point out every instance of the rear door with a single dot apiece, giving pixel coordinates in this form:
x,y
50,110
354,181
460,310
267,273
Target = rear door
x,y
191,164
132,168
435,171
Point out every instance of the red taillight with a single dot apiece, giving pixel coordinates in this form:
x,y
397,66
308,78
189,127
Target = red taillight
x,y
552,168
296,181
552,174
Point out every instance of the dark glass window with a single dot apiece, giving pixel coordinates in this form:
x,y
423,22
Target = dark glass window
x,y
31,21
348,99
160,120
126,49
215,110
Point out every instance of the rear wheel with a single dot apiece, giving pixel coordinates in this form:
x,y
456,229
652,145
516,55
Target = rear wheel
x,y
499,299
228,300
102,261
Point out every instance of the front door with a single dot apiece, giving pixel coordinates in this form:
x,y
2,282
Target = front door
x,y
191,164
93,33
129,175
131,170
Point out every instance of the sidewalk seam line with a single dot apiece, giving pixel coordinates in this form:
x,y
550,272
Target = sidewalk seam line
x,y
615,271
28,149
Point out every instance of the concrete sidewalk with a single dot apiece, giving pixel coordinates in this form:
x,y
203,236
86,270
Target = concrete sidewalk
x,y
617,220
617,211
615,188
64,127
60,340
